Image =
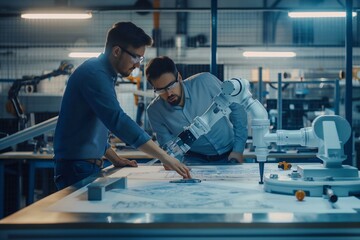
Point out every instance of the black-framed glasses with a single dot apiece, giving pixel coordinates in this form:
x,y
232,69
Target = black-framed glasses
x,y
168,87
135,58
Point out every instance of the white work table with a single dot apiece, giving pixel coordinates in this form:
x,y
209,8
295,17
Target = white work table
x,y
228,203
45,161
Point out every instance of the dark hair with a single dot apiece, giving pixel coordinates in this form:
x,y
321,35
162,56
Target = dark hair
x,y
158,66
125,34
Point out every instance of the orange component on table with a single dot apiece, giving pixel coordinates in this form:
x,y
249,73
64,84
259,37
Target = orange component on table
x,y
300,195
284,165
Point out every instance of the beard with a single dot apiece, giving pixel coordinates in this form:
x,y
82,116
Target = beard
x,y
126,74
174,100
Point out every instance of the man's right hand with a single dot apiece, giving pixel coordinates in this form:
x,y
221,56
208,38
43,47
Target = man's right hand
x,y
177,166
151,148
166,167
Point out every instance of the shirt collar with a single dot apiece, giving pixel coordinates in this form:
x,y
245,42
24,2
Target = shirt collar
x,y
185,90
105,61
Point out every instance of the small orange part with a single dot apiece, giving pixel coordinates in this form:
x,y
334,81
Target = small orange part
x,y
300,195
284,165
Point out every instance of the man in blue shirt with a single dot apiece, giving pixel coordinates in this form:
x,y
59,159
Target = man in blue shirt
x,y
180,101
90,109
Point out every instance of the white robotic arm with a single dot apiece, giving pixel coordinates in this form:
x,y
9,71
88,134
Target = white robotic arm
x,y
201,125
234,90
330,142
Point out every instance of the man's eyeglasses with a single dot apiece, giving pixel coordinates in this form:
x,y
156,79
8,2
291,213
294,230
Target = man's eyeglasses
x,y
135,58
168,87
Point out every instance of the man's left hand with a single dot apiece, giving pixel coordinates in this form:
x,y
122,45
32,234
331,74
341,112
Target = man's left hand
x,y
236,156
123,162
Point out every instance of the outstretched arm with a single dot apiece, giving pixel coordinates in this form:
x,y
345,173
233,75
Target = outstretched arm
x,y
151,148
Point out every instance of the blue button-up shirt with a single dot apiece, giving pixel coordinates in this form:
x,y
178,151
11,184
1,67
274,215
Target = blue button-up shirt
x,y
199,91
89,109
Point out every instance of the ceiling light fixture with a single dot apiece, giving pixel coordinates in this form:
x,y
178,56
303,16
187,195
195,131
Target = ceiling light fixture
x,y
318,14
83,54
56,15
268,54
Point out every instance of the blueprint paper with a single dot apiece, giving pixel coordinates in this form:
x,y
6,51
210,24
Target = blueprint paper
x,y
224,189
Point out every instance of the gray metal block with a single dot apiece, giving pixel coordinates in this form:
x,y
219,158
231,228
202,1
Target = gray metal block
x,y
97,189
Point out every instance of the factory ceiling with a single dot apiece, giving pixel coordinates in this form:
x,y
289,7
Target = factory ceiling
x,y
13,7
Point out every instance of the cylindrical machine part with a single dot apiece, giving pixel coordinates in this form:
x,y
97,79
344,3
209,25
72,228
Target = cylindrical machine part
x,y
256,110
231,87
289,137
180,45
303,137
330,194
260,127
181,29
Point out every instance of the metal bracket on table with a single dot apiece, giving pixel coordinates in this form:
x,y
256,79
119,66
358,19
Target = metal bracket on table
x,y
97,189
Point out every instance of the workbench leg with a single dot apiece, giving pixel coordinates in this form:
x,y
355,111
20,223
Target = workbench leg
x,y
2,186
45,182
31,184
19,185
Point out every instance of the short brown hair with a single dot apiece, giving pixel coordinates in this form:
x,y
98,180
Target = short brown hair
x,y
158,66
126,34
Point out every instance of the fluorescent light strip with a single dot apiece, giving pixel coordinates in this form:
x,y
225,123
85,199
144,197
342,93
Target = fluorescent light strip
x,y
268,54
83,54
56,15
318,14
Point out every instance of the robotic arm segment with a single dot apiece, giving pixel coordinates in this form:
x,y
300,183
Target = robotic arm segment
x,y
218,109
176,147
332,133
232,87
237,90
201,125
332,148
303,137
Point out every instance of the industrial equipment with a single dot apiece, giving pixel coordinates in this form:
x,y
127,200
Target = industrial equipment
x,y
327,133
13,105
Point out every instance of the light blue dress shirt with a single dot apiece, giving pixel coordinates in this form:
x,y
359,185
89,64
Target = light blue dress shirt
x,y
89,109
199,91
